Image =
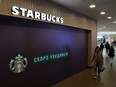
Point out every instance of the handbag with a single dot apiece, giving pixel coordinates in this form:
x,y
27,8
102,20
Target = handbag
x,y
102,68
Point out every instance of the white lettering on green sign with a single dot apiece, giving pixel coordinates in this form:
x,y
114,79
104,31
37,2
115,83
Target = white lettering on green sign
x,y
49,57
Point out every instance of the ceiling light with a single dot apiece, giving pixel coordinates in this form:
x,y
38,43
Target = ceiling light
x,y
99,36
114,21
109,17
102,13
104,26
101,33
92,6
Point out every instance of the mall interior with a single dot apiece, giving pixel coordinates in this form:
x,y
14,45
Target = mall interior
x,y
51,43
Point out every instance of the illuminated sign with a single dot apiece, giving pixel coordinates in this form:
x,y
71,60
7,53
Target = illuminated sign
x,y
49,57
19,63
18,11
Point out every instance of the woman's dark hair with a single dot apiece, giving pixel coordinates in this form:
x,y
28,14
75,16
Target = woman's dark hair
x,y
111,47
98,48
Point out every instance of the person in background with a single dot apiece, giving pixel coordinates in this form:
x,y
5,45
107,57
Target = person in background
x,y
104,40
107,46
97,61
111,54
101,47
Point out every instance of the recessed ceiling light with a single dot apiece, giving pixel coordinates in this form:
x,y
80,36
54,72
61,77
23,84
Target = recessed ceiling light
x,y
109,17
92,6
102,13
104,26
114,21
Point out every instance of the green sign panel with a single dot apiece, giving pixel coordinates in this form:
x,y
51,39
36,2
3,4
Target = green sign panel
x,y
49,57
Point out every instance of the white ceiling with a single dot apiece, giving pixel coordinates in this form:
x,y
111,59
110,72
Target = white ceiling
x,y
82,6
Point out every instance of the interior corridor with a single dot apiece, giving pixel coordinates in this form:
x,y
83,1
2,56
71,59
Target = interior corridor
x,y
85,78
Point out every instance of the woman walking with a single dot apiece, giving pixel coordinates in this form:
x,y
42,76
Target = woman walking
x,y
111,54
107,46
98,62
101,47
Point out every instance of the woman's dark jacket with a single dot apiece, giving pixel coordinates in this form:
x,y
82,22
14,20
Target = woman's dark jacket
x,y
111,52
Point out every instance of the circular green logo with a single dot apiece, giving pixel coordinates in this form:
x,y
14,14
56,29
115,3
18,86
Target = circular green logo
x,y
18,63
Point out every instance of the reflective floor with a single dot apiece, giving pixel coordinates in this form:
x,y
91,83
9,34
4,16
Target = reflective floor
x,y
85,78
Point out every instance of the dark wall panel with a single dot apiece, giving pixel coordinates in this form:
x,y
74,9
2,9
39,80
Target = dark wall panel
x,y
32,38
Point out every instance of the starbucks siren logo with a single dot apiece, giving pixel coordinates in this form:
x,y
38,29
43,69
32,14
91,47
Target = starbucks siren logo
x,y
18,64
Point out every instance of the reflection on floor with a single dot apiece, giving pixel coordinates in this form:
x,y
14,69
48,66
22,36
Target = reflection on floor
x,y
85,78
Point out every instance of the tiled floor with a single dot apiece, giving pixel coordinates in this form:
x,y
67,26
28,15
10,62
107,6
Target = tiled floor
x,y
85,78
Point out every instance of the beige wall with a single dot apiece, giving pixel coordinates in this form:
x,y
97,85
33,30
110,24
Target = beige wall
x,y
71,18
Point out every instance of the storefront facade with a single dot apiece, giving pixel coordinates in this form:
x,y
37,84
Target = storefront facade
x,y
43,43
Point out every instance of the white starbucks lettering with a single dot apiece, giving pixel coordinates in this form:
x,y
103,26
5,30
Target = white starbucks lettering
x,y
19,11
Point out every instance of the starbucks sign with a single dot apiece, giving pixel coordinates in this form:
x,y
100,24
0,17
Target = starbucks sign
x,y
19,11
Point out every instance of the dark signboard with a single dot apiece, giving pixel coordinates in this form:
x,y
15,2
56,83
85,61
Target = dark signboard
x,y
37,54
